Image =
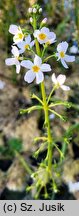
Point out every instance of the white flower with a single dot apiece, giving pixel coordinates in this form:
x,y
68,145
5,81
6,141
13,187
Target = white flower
x,y
31,20
36,69
51,116
17,32
59,81
15,59
30,10
73,186
25,44
34,10
45,36
2,84
74,49
40,10
44,21
62,48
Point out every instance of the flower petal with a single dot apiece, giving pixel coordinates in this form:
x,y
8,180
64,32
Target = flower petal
x,y
52,36
29,76
54,80
13,29
10,61
45,67
27,64
37,60
18,68
32,43
21,51
62,46
65,88
15,51
61,79
39,77
64,63
28,39
69,58
45,30
21,44
57,55
36,33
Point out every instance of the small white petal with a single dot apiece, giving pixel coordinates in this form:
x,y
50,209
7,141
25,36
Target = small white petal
x,y
69,58
17,39
18,68
10,61
32,43
21,44
52,35
44,21
15,51
13,29
64,63
54,80
36,33
37,60
61,79
21,51
74,49
42,41
52,116
29,76
58,55
45,30
31,20
30,10
40,10
34,10
62,46
45,67
28,39
27,64
65,88
39,77
73,186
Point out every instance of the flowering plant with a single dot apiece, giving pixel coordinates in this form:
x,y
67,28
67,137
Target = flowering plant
x,y
36,67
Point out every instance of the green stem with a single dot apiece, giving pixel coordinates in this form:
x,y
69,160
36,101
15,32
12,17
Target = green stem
x,y
46,59
37,48
47,122
51,94
24,163
34,22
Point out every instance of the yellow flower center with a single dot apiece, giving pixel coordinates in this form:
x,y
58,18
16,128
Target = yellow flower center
x,y
35,68
26,46
42,36
62,54
20,35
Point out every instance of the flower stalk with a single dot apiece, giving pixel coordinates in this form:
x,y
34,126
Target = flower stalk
x,y
47,121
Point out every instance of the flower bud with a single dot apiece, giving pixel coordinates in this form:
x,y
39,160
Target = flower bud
x,y
31,20
34,10
30,10
40,10
44,21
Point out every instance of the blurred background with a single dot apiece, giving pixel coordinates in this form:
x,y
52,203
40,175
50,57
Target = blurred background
x,y
17,132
